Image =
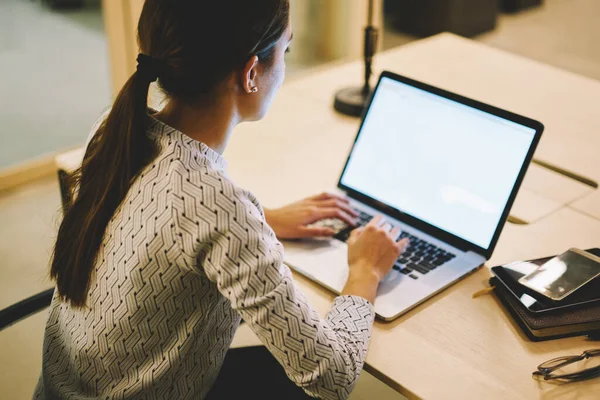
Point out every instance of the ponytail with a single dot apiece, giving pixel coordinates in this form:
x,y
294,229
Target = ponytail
x,y
117,153
194,45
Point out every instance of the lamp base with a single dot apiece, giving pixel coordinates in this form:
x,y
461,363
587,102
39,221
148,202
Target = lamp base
x,y
351,101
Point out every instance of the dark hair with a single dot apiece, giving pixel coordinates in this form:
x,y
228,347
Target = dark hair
x,y
197,44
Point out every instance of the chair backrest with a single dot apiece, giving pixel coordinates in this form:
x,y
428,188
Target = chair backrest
x,y
66,164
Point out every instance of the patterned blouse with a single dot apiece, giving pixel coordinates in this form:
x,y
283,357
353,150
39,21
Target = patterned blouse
x,y
184,257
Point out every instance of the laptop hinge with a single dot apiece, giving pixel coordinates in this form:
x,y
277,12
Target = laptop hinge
x,y
437,233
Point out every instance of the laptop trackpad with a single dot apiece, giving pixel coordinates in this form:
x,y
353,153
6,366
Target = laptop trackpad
x,y
325,260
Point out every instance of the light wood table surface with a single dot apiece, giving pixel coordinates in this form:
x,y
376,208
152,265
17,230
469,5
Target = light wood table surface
x,y
453,346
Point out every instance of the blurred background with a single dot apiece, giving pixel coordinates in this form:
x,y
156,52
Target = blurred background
x,y
62,61
56,53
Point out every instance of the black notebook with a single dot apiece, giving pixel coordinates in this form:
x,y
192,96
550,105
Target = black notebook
x,y
541,318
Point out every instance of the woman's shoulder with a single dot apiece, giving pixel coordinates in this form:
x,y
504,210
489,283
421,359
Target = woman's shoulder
x,y
194,176
213,186
198,180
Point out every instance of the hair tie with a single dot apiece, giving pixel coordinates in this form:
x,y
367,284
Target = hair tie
x,y
148,67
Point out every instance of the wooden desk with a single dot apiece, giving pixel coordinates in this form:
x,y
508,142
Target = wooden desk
x,y
452,347
589,204
456,347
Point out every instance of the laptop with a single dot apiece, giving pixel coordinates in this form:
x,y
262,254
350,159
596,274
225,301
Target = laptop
x,y
445,169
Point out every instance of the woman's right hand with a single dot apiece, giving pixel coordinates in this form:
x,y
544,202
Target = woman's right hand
x,y
372,251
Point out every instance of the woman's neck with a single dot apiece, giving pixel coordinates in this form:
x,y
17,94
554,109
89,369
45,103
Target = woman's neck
x,y
210,124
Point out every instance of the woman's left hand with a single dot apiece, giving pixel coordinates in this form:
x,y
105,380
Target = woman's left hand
x,y
291,222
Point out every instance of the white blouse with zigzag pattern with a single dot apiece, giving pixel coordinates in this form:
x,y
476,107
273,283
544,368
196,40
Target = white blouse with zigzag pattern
x,y
184,257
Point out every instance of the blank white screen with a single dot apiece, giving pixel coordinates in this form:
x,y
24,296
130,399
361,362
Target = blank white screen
x,y
445,163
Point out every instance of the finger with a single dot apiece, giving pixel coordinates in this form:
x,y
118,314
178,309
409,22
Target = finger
x,y
386,227
395,233
315,231
355,234
328,196
376,221
336,213
339,204
402,244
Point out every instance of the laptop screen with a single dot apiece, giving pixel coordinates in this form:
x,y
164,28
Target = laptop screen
x,y
443,162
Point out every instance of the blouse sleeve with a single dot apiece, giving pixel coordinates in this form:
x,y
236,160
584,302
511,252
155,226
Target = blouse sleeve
x,y
223,234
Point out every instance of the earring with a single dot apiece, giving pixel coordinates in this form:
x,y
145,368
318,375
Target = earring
x,y
253,89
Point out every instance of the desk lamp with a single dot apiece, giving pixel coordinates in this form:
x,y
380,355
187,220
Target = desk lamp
x,y
351,101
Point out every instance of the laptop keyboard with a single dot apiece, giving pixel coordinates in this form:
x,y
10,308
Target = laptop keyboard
x,y
420,256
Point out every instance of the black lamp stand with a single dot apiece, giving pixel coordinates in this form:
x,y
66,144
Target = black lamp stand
x,y
351,101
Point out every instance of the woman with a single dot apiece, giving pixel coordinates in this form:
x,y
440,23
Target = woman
x,y
160,253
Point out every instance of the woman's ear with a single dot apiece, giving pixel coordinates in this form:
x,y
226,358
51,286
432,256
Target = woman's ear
x,y
249,76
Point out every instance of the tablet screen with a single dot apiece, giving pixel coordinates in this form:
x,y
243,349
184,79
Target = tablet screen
x,y
562,275
509,275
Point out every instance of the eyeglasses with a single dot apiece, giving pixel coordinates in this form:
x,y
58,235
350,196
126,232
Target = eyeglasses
x,y
547,369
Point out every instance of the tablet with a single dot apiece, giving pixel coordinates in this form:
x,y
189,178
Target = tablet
x,y
562,275
510,274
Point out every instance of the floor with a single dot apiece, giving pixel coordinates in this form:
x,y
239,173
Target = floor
x,y
563,33
58,72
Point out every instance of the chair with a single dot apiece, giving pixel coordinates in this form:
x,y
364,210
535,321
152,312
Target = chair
x,y
66,163
25,308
